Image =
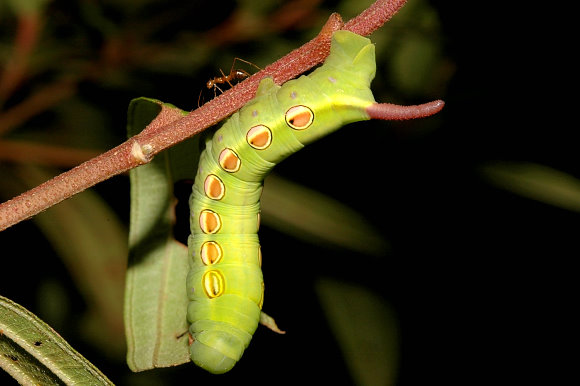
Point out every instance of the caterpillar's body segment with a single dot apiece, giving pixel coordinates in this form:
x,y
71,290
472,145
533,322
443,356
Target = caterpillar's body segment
x,y
225,285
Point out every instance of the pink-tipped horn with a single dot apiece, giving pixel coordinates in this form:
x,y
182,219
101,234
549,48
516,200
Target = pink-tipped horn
x,y
389,111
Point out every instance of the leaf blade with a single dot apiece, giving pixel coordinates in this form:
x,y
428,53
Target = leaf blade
x,y
155,297
37,353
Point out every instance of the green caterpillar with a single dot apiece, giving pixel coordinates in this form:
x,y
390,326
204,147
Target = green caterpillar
x,y
225,284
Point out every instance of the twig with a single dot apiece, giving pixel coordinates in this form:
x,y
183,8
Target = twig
x,y
141,148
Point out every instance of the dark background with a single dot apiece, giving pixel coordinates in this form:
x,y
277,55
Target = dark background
x,y
479,277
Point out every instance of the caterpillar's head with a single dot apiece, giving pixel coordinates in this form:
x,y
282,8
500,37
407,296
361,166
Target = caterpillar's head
x,y
216,351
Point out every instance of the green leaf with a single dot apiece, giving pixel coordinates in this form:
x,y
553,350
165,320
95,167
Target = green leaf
x,y
365,328
155,297
312,216
537,182
33,353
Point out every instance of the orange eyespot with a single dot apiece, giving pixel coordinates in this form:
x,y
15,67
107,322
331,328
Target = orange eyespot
x,y
209,221
213,283
211,253
229,160
299,117
214,187
259,137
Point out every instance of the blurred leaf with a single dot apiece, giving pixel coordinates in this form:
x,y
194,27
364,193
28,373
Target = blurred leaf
x,y
33,353
537,182
312,216
21,7
412,65
365,329
155,298
54,303
92,243
410,52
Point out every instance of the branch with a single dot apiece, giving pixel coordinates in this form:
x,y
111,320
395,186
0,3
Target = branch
x,y
141,148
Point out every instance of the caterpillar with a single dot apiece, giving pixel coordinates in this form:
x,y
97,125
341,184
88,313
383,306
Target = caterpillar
x,y
225,285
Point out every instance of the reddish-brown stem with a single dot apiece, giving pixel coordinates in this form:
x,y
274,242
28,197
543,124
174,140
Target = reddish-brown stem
x,y
374,16
53,191
391,112
156,138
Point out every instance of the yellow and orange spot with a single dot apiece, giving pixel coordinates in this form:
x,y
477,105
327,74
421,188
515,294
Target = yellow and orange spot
x,y
299,117
213,187
259,137
209,221
229,160
211,253
261,302
213,283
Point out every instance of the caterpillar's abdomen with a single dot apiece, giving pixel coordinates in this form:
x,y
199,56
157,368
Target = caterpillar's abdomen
x,y
225,284
225,308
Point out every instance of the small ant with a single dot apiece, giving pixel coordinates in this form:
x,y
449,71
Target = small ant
x,y
235,74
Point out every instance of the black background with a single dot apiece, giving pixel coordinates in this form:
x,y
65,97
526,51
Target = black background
x,y
480,278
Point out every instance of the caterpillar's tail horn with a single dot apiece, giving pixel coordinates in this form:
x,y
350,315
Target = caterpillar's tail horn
x,y
391,112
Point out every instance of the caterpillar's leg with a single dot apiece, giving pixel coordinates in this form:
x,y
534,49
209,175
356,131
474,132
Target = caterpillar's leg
x,y
268,321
